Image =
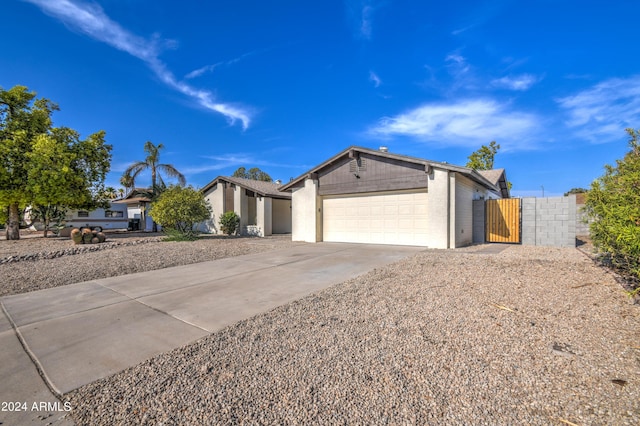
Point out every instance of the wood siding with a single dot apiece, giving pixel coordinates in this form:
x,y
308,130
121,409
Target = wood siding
x,y
369,173
503,220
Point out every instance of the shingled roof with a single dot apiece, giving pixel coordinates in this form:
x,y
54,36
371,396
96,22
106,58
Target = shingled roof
x,y
264,189
498,177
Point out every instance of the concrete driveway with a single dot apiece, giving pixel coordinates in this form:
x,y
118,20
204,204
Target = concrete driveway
x,y
76,334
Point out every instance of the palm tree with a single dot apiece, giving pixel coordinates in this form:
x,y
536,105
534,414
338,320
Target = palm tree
x,y
151,163
127,182
110,193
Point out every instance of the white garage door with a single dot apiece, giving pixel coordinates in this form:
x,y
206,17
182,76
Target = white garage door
x,y
384,218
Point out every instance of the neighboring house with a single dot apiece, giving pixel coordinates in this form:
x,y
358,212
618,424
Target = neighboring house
x,y
263,210
367,196
137,204
114,217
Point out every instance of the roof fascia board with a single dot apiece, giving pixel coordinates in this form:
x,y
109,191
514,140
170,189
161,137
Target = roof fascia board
x,y
353,152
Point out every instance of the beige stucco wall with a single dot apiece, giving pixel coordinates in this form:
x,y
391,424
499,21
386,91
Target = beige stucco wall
x,y
215,198
306,222
438,209
465,189
449,210
263,213
281,216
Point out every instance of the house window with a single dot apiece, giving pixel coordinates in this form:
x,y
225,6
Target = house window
x,y
249,193
83,213
111,213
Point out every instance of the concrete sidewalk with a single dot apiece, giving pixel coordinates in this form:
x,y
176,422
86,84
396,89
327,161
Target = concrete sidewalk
x,y
76,334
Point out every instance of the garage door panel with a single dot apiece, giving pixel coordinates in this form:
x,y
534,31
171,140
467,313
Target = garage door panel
x,y
392,218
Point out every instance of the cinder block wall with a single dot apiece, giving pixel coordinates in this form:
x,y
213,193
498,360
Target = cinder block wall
x,y
478,222
582,221
549,221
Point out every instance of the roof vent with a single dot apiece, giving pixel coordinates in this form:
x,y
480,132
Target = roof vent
x,y
278,182
383,149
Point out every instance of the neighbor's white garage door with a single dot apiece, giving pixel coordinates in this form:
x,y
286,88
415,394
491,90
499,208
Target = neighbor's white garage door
x,y
387,218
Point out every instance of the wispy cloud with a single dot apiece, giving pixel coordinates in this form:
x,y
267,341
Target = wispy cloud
x,y
467,123
360,14
521,82
91,20
456,63
462,30
462,73
373,77
202,70
212,67
234,160
602,112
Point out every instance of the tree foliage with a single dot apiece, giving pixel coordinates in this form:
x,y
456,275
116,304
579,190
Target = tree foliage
x,y
576,191
613,202
179,208
51,216
153,165
229,222
483,158
45,165
253,173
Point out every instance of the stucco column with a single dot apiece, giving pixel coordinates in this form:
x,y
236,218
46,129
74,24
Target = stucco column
x,y
307,220
263,213
241,207
438,209
452,210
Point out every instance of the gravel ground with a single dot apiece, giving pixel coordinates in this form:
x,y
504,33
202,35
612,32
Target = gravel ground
x,y
527,335
35,263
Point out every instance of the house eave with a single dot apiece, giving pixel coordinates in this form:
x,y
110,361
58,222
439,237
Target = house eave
x,y
353,151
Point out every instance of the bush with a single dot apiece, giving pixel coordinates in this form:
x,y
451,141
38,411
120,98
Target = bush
x,y
178,209
175,235
614,205
229,222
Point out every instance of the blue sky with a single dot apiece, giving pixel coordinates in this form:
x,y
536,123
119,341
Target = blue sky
x,y
284,85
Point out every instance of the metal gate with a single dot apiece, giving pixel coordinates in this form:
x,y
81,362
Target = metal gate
x,y
503,220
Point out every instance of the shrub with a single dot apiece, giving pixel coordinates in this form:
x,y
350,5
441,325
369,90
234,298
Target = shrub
x,y
614,205
229,222
178,209
175,235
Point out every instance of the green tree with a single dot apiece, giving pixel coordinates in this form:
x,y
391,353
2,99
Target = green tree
x,y
110,193
483,158
229,222
254,173
51,216
152,163
42,165
179,208
613,202
576,191
21,119
127,182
